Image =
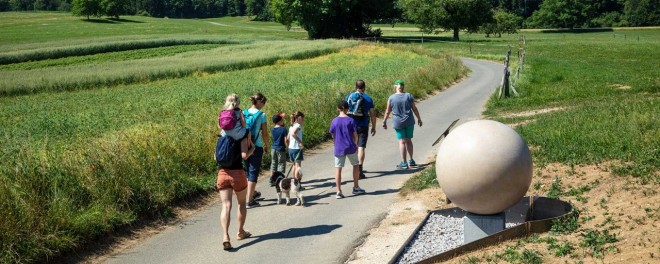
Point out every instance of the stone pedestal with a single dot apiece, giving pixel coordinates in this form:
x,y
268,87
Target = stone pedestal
x,y
478,226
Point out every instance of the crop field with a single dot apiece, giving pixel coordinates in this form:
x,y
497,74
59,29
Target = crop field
x,y
107,122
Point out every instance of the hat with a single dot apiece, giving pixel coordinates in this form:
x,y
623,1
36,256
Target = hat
x,y
278,117
398,82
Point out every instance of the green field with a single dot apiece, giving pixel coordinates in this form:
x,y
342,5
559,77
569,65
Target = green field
x,y
106,123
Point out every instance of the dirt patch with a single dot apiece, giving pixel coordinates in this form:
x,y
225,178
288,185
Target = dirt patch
x,y
620,86
619,205
534,112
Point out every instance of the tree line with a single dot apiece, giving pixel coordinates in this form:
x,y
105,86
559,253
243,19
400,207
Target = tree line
x,y
342,18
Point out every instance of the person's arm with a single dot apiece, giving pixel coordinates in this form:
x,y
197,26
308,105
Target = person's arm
x,y
388,109
245,151
264,135
286,139
419,119
372,116
296,138
355,137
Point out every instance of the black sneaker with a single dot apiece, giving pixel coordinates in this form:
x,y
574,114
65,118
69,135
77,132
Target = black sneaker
x,y
257,196
362,176
252,204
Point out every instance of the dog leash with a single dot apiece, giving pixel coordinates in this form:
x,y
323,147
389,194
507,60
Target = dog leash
x,y
293,163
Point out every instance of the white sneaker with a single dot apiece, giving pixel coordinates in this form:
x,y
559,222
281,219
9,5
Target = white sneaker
x,y
339,195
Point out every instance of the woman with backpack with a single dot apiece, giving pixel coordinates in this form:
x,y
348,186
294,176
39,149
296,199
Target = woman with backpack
x,y
229,154
256,123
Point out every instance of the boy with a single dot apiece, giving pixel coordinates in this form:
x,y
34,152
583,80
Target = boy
x,y
278,147
344,133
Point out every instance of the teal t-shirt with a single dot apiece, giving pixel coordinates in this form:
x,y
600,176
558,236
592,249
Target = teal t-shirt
x,y
261,119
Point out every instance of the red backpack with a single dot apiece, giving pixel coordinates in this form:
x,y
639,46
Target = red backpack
x,y
227,119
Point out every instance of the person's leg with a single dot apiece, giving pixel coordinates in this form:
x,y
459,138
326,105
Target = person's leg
x,y
225,197
356,175
296,173
281,167
253,167
338,179
409,147
274,160
241,197
402,149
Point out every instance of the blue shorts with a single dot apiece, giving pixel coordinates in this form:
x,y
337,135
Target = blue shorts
x,y
406,132
293,153
253,164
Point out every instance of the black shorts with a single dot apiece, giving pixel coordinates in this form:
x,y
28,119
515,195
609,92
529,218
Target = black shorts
x,y
363,136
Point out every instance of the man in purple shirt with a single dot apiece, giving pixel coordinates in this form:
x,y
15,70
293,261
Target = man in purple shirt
x,y
344,133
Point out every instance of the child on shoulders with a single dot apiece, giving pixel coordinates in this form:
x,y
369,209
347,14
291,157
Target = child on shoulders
x,y
231,120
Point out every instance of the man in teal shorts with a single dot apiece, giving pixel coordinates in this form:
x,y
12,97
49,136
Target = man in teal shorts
x,y
402,106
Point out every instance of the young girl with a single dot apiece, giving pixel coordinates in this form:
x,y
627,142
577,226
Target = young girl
x,y
232,113
296,144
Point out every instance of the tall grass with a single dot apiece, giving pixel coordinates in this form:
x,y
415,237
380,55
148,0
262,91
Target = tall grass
x,y
234,57
94,48
79,164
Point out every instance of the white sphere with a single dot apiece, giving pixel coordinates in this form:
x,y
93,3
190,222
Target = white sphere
x,y
484,167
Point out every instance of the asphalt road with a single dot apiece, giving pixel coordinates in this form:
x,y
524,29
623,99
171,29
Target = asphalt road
x,y
325,230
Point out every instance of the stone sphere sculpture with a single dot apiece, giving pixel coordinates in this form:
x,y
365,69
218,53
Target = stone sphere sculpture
x,y
484,167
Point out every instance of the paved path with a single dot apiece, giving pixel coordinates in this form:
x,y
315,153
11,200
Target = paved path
x,y
326,230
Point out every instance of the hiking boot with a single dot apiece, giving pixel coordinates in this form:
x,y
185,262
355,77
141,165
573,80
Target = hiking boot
x,y
339,195
403,165
412,163
252,204
358,191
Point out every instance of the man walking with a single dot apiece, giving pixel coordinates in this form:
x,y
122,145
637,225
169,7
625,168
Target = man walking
x,y
361,109
402,107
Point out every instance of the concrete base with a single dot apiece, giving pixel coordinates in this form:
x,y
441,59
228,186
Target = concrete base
x,y
480,226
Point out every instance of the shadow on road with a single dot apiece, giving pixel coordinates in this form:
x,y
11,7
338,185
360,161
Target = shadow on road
x,y
291,233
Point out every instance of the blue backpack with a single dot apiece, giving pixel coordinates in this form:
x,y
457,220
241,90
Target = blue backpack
x,y
356,105
227,150
251,123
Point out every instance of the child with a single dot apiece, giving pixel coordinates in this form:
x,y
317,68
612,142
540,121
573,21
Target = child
x,y
278,147
344,133
231,120
295,143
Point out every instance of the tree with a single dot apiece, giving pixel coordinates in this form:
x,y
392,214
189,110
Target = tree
x,y
642,12
503,22
259,9
331,18
86,8
114,8
455,15
561,14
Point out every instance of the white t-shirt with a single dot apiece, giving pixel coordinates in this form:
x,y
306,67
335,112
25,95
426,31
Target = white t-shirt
x,y
293,144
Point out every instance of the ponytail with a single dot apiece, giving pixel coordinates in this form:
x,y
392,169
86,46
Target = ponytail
x,y
258,97
295,116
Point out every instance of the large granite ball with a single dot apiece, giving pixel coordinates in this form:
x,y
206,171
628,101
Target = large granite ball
x,y
484,167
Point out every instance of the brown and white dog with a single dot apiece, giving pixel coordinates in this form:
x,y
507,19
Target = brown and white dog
x,y
286,185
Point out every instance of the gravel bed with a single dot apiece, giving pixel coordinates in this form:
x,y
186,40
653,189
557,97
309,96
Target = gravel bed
x,y
439,234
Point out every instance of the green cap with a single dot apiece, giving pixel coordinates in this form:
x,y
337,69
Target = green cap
x,y
398,82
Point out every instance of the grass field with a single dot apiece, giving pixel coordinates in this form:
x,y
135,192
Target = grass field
x,y
589,108
96,135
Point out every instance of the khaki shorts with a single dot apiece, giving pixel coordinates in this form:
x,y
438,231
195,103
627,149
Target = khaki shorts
x,y
353,158
234,179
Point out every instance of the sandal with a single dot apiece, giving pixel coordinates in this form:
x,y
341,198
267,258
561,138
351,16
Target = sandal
x,y
226,245
243,236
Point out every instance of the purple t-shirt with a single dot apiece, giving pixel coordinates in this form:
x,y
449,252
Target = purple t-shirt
x,y
342,129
